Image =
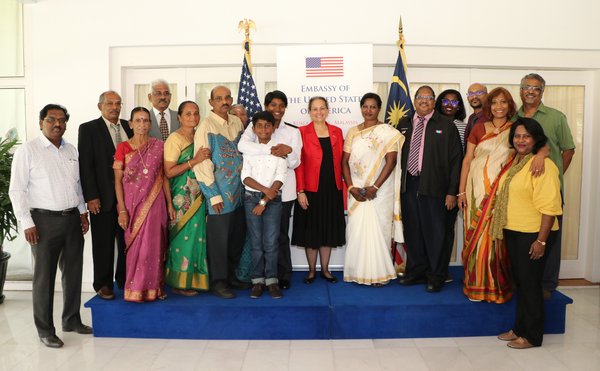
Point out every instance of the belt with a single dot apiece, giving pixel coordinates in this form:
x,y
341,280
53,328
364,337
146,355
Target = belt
x,y
64,212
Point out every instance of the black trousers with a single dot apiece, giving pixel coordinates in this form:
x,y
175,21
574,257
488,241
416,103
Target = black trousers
x,y
105,229
424,219
552,269
284,257
225,236
527,277
60,244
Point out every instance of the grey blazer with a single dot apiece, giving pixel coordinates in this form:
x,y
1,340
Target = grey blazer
x,y
155,131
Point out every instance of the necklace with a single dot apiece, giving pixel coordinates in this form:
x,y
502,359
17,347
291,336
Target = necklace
x,y
370,136
497,128
188,137
145,171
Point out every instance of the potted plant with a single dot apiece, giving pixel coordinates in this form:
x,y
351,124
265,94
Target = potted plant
x,y
8,221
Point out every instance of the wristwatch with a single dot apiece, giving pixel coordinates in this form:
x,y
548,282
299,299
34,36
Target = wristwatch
x,y
262,202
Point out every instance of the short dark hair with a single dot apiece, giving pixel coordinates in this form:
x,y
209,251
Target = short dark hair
x,y
183,104
51,106
374,96
461,113
310,102
138,109
533,128
276,94
263,115
425,87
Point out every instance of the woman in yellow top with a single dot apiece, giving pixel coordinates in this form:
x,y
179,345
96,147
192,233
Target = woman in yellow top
x,y
525,215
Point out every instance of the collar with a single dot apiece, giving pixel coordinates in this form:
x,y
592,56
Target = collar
x,y
541,108
157,113
108,123
220,120
47,143
427,116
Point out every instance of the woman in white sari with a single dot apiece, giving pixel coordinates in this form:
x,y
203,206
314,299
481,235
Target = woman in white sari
x,y
371,169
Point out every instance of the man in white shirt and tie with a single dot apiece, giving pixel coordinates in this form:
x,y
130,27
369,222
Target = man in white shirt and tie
x,y
164,120
48,202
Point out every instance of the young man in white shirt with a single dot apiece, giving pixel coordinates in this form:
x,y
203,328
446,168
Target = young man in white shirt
x,y
263,175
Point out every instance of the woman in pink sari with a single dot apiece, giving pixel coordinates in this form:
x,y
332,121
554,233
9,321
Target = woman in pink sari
x,y
142,192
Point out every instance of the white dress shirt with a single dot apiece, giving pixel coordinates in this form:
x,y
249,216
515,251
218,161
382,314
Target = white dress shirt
x,y
44,177
284,134
265,169
111,129
167,117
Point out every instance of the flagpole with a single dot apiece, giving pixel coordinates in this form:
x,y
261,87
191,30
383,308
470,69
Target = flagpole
x,y
246,24
400,43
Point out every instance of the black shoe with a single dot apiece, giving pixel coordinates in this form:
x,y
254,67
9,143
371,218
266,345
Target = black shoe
x,y
331,279
284,284
274,291
52,341
448,278
257,291
80,329
308,280
223,293
433,287
239,285
409,281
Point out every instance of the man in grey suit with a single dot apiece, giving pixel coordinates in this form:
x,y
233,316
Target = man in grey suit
x,y
164,120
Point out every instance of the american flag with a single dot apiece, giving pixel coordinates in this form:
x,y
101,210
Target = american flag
x,y
247,94
324,66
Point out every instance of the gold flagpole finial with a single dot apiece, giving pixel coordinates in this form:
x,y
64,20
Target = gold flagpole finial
x,y
245,25
400,42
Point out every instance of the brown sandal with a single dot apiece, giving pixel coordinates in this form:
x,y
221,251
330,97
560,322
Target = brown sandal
x,y
520,343
508,336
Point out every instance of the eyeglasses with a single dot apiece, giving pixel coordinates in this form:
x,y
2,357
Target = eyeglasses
x,y
219,98
161,93
424,97
52,120
113,104
477,93
537,89
447,102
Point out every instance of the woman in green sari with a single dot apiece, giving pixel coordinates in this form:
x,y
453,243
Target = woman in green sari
x,y
186,267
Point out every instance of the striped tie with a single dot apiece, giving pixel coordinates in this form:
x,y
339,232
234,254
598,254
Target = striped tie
x,y
415,146
117,129
164,128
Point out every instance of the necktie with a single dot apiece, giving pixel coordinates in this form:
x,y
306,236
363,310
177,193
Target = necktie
x,y
164,128
413,156
117,128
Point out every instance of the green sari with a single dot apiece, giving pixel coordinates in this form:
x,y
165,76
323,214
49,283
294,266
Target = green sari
x,y
186,266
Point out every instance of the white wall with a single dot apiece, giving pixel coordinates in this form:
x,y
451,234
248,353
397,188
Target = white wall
x,y
70,43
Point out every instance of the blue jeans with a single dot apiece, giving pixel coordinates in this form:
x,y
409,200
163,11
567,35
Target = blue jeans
x,y
264,233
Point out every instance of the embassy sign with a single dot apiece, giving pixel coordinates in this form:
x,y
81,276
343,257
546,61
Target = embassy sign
x,y
342,73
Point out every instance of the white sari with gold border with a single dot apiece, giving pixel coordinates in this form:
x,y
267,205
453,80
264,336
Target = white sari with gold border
x,y
372,224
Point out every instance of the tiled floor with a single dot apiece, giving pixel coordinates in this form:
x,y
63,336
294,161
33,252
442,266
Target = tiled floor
x,y
20,349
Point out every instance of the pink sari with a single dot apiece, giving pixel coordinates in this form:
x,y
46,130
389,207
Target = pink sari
x,y
146,235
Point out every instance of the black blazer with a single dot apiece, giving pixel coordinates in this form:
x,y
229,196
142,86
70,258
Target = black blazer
x,y
442,156
96,157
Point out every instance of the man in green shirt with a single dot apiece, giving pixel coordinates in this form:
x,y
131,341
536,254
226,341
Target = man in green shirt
x,y
562,149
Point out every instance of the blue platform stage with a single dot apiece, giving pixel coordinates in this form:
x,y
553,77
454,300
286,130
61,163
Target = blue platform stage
x,y
317,311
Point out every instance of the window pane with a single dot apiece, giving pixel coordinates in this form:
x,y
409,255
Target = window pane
x,y
11,38
12,106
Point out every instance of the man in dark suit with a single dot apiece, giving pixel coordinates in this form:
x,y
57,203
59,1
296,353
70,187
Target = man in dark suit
x,y
97,142
431,162
164,120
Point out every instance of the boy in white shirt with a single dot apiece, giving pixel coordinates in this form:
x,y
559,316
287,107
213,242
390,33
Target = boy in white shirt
x,y
263,176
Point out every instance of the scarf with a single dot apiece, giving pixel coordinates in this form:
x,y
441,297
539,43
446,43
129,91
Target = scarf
x,y
501,207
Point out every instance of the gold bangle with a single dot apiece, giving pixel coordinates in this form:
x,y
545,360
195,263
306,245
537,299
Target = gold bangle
x,y
541,243
123,212
190,165
350,187
374,186
461,193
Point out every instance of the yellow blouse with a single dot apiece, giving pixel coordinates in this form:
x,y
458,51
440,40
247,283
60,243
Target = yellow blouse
x,y
529,197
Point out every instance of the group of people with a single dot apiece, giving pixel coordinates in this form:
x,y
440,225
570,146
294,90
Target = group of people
x,y
207,205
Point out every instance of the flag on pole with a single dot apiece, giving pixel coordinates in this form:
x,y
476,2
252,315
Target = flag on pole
x,y
247,95
399,104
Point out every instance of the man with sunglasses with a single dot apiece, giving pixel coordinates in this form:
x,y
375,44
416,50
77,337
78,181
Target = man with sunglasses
x,y
562,149
476,95
431,162
46,194
164,120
